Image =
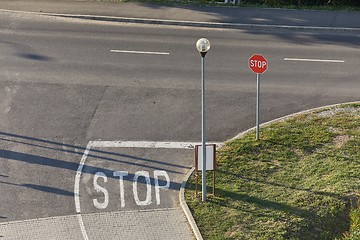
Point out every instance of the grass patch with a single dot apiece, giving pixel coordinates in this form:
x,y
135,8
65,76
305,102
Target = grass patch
x,y
300,181
354,232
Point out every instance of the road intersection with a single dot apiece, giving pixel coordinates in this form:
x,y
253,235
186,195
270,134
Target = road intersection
x,y
63,89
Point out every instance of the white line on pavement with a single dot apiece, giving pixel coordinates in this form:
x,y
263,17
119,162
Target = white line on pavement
x,y
82,227
77,177
139,52
313,60
146,144
77,191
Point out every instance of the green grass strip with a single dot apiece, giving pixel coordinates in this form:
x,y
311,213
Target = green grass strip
x,y
300,181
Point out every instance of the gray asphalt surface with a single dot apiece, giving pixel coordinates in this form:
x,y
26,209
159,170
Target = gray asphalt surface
x,y
62,87
137,89
335,19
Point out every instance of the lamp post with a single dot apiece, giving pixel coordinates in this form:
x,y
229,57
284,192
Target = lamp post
x,y
203,46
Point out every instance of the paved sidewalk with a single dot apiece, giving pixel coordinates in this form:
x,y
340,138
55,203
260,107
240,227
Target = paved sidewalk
x,y
340,20
156,224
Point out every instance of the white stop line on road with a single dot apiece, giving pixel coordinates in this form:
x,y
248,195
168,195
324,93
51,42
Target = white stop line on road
x,y
124,144
314,60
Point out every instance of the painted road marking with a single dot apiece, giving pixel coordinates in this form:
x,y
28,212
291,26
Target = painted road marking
x,y
82,227
314,60
140,52
135,180
77,191
77,177
146,144
98,188
125,144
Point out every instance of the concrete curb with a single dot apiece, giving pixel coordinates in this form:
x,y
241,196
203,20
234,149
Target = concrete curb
x,y
289,117
239,26
186,209
218,25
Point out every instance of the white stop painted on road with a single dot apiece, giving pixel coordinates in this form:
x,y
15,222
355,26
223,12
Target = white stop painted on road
x,y
138,175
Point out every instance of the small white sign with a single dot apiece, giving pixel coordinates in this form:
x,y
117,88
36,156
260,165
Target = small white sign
x,y
210,153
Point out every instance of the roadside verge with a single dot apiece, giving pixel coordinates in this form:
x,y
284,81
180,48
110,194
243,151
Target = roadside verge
x,y
337,191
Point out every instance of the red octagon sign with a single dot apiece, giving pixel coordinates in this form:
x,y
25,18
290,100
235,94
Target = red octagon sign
x,y
258,64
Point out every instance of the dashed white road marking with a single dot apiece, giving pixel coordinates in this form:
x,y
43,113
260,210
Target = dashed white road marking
x,y
140,52
314,60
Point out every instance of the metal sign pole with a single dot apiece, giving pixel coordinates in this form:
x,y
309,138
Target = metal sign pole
x,y
203,135
214,168
203,46
196,171
258,107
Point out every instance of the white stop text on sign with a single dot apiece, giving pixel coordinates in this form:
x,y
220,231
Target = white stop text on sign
x,y
257,63
160,176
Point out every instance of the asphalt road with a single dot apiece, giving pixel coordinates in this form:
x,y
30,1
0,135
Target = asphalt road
x,y
61,86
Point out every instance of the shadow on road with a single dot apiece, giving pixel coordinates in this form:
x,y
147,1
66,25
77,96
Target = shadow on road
x,y
43,189
35,57
80,150
279,17
73,166
26,52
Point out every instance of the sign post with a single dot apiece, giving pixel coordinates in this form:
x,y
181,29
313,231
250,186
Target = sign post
x,y
210,163
258,107
258,64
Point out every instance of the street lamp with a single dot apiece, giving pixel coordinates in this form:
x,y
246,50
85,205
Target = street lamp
x,y
203,46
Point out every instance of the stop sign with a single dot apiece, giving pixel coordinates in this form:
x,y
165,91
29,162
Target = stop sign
x,y
258,64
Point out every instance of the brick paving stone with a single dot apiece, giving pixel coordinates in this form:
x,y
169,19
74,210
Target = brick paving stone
x,y
169,224
64,227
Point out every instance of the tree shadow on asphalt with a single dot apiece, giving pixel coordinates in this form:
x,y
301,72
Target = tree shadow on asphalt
x,y
35,57
73,166
51,162
26,52
89,155
231,14
42,188
80,150
311,37
258,16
